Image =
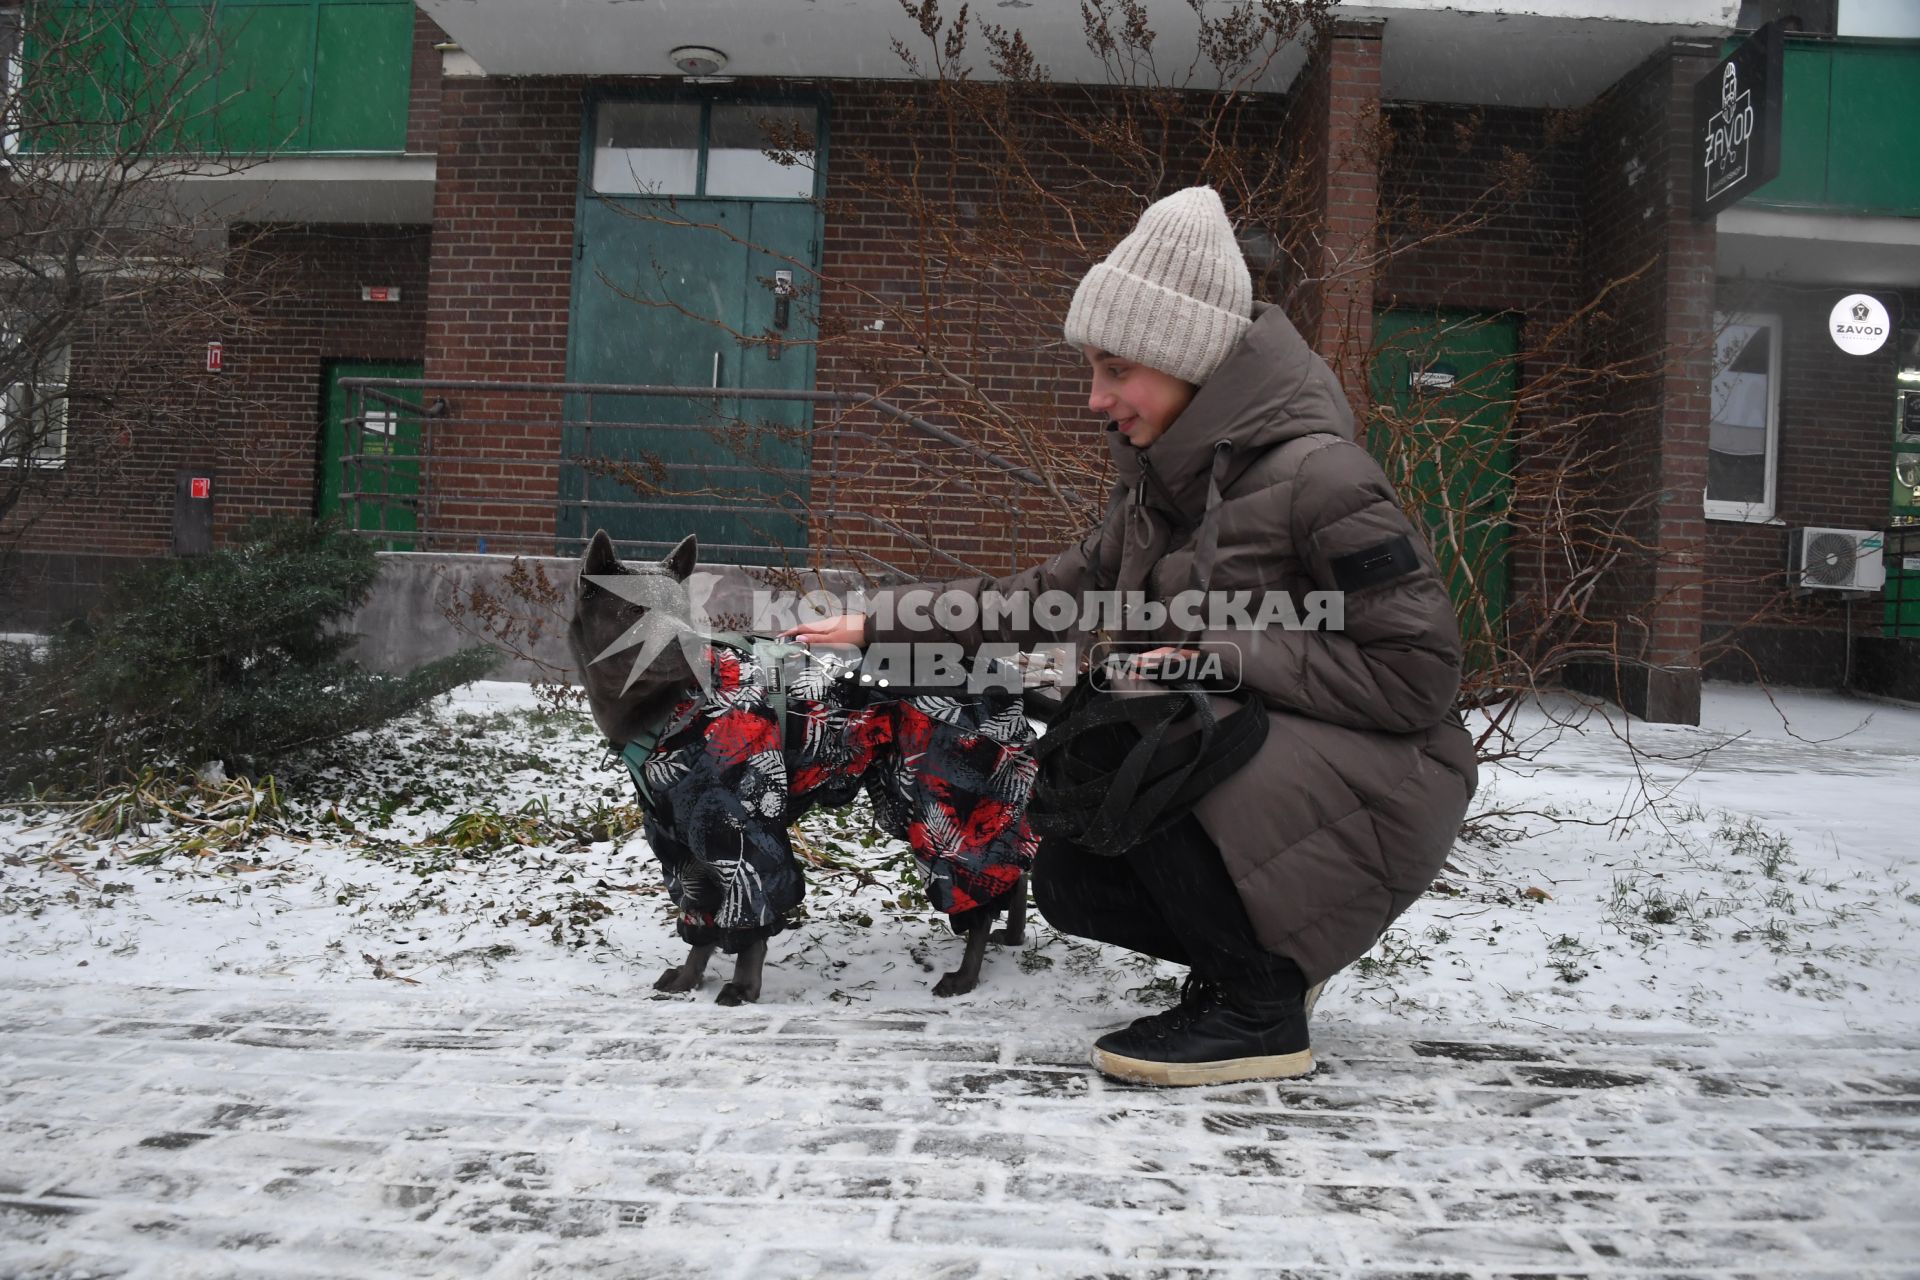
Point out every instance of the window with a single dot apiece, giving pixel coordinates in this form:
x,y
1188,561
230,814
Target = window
x,y
738,141
1743,436
704,149
1814,17
33,415
9,85
647,149
1907,387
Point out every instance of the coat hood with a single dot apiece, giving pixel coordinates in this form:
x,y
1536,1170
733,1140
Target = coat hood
x,y
1272,388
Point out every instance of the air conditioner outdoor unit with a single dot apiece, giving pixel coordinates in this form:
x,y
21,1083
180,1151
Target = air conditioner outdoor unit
x,y
1836,560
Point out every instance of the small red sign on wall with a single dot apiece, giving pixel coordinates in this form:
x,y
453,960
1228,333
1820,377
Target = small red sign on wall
x,y
200,487
379,293
214,354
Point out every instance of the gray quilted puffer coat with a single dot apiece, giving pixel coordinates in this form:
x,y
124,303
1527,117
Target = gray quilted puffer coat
x,y
1353,802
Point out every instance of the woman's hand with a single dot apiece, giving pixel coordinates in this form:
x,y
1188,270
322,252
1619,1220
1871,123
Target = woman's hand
x,y
1150,665
847,629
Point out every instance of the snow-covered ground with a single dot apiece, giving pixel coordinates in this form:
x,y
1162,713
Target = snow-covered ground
x,y
1756,872
399,1022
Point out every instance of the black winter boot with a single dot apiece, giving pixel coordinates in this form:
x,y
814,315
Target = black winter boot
x,y
1197,995
1225,1040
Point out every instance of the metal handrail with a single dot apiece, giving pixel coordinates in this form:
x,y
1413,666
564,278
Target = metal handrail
x,y
852,399
396,397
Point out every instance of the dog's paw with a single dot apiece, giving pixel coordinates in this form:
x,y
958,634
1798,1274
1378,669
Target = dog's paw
x,y
733,993
1009,937
954,984
676,980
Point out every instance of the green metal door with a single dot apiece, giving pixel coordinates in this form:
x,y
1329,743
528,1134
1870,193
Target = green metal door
x,y
1443,391
707,289
371,450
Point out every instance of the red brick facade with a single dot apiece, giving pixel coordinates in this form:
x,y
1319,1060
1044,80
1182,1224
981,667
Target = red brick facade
x,y
1585,204
1336,130
1833,469
423,86
135,420
1656,265
1474,233
498,290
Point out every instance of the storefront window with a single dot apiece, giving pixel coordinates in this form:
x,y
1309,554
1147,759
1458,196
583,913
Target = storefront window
x,y
1743,436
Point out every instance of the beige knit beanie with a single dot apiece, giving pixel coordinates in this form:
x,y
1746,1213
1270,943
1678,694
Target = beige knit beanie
x,y
1174,295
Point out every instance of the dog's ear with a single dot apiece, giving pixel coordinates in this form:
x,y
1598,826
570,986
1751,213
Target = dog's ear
x,y
681,559
600,557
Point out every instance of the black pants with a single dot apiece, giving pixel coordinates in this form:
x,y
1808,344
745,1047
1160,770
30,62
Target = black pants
x,y
1170,897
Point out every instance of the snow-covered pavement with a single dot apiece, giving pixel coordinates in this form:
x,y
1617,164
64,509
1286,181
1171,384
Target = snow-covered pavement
x,y
388,1132
1656,1019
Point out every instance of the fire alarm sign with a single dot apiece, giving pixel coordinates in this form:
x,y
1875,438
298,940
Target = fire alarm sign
x,y
214,353
200,487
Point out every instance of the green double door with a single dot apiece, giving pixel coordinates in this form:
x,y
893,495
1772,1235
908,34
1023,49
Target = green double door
x,y
1443,388
380,441
710,293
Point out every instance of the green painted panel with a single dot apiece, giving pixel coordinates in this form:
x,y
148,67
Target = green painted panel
x,y
362,67
1901,598
1847,121
266,73
1902,602
1803,129
280,75
166,77
387,470
1876,108
1444,384
99,79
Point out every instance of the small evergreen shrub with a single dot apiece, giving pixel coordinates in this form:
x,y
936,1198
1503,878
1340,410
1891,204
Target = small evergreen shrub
x,y
235,656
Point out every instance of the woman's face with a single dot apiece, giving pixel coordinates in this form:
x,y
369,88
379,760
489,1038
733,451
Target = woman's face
x,y
1140,402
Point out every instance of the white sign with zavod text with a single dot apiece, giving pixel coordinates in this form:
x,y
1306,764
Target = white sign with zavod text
x,y
1859,324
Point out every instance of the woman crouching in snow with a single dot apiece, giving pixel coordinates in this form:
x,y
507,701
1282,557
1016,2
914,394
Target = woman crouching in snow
x,y
1239,473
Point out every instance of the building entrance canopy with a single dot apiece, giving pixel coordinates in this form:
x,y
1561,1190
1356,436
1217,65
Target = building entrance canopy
x,y
1520,53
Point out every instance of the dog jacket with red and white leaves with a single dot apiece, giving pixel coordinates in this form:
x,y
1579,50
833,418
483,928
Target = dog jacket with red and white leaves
x,y
726,778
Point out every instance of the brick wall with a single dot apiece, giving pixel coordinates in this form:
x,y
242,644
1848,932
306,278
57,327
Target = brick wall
x,y
1656,263
1598,201
1481,213
140,406
320,318
1833,469
988,319
498,288
423,85
968,335
145,407
1335,132
294,306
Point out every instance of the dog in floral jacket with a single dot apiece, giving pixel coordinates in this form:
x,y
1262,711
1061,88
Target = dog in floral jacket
x,y
730,741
